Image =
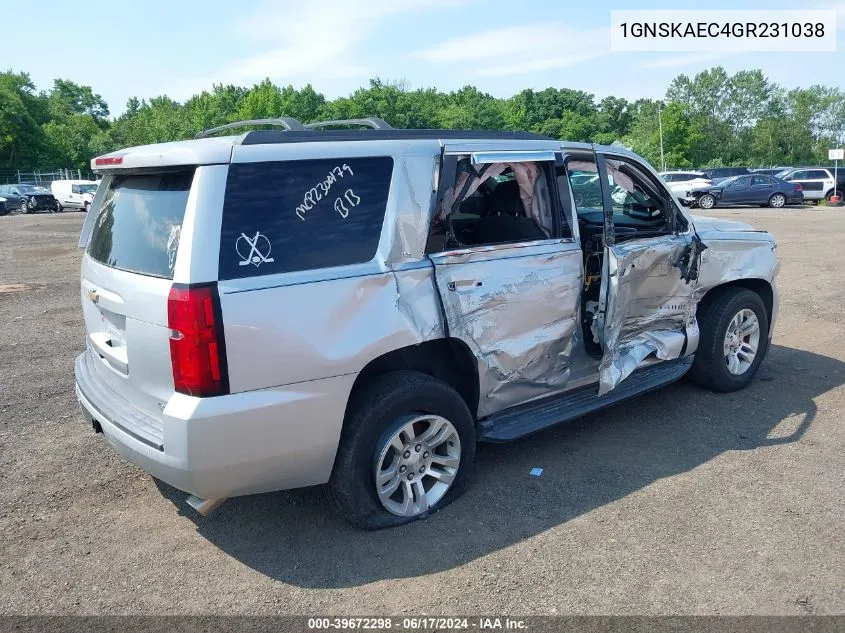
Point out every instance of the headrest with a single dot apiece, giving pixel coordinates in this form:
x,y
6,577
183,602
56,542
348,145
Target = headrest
x,y
506,200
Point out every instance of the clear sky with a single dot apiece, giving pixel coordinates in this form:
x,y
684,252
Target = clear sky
x,y
179,47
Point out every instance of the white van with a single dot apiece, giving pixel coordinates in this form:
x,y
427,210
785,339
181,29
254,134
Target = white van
x,y
76,194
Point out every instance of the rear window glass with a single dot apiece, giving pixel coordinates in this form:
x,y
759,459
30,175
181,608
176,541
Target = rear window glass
x,y
298,215
139,223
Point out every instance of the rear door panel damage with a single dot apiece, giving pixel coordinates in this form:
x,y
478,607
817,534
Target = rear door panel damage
x,y
517,308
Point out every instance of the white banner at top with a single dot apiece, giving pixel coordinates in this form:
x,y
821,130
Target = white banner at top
x,y
723,31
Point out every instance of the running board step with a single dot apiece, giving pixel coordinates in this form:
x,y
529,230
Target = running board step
x,y
531,417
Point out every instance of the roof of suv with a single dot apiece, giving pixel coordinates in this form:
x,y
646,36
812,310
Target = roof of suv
x,y
207,149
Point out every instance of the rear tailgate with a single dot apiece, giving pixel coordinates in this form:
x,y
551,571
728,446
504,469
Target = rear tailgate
x,y
127,274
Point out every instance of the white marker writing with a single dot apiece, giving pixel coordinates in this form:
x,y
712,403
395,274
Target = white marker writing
x,y
316,193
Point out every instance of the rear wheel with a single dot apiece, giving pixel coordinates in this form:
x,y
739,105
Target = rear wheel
x,y
777,200
86,207
707,201
406,450
837,192
734,340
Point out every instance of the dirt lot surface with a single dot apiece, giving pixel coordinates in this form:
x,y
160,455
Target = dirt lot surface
x,y
680,501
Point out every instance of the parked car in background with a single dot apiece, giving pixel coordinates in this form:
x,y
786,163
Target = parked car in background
x,y
817,183
74,194
29,198
681,182
720,173
747,190
771,171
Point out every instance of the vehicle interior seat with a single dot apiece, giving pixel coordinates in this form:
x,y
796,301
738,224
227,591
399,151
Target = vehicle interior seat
x,y
505,220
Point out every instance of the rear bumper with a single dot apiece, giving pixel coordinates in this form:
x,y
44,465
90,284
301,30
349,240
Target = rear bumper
x,y
245,443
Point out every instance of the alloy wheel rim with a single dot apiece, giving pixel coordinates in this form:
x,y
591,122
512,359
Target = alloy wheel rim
x,y
707,202
742,341
417,464
778,201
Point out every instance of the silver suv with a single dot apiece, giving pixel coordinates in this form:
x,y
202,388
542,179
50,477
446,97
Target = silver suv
x,y
359,307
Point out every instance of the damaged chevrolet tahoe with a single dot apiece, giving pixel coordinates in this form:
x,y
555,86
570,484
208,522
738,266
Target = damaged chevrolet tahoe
x,y
359,307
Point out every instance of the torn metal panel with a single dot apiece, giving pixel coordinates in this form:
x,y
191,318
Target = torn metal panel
x,y
410,205
649,305
417,302
517,308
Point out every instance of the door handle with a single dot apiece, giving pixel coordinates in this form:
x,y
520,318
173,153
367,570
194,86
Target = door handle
x,y
463,283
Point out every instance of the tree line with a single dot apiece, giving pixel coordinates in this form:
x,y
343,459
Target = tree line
x,y
711,119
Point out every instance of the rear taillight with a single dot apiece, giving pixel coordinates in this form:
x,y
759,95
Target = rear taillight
x,y
108,160
197,349
708,182
798,188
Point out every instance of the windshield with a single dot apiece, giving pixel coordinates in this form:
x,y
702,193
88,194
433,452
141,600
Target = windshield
x,y
31,189
88,188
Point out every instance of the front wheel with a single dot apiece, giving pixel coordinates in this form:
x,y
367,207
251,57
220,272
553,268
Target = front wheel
x,y
777,200
59,207
86,207
707,201
837,192
24,208
406,450
734,340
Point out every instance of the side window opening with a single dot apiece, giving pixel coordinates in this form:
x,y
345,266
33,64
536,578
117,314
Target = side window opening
x,y
638,205
495,203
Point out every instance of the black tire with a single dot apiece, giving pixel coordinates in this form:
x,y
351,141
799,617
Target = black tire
x,y
709,368
24,208
372,411
59,207
86,207
775,201
834,192
704,201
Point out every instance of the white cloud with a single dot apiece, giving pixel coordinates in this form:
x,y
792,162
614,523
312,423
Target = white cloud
x,y
318,40
520,49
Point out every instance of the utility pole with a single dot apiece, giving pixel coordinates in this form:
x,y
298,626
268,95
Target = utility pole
x,y
660,124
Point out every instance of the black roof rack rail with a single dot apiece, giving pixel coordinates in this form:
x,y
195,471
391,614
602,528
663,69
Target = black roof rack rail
x,y
372,122
289,123
263,137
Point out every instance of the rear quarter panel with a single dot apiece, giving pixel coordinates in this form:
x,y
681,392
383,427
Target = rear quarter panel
x,y
295,333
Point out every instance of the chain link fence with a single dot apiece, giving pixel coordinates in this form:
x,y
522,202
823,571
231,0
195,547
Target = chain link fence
x,y
38,177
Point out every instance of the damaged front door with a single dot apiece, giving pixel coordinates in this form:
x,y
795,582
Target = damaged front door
x,y
508,271
649,273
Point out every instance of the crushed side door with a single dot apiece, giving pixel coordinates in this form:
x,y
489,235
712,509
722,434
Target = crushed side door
x,y
648,285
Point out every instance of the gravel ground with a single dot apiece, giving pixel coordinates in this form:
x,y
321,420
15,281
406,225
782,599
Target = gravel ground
x,y
681,501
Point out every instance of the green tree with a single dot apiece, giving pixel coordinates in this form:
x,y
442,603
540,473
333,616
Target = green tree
x,y
67,98
22,141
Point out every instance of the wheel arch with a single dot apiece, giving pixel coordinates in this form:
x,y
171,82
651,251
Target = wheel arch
x,y
447,359
762,287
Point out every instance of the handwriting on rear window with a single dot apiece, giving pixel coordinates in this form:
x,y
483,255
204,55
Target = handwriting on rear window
x,y
347,200
316,193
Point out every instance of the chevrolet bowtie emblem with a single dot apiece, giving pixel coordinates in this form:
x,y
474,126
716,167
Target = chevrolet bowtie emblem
x,y
93,296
